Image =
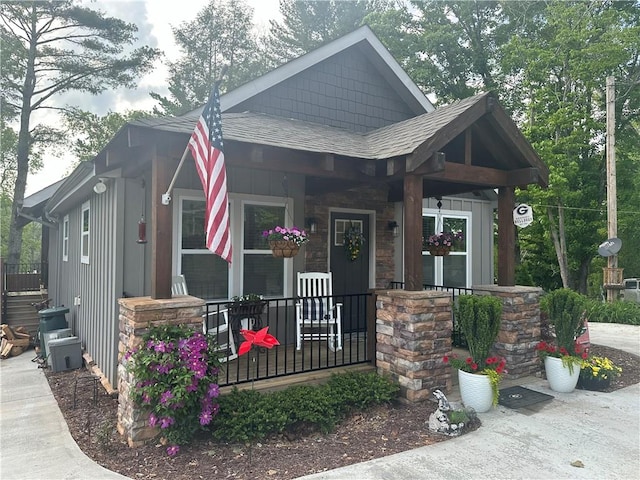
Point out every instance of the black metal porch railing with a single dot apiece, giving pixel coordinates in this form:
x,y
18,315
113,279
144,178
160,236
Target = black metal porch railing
x,y
24,277
280,316
457,337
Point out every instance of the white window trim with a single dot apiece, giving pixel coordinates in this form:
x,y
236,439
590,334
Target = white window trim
x,y
85,208
433,212
65,238
236,224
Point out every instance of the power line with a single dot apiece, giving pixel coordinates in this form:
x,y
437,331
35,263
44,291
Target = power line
x,y
601,210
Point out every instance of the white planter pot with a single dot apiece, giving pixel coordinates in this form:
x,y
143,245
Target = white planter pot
x,y
475,391
559,377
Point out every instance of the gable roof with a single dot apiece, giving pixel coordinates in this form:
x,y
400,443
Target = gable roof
x,y
400,139
369,45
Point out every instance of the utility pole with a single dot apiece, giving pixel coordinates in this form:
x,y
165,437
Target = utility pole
x,y
612,204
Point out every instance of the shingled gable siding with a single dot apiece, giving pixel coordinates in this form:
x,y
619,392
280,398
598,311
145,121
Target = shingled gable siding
x,y
365,198
343,91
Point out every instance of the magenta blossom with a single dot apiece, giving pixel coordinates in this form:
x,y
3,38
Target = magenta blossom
x,y
166,422
153,420
173,450
205,417
165,397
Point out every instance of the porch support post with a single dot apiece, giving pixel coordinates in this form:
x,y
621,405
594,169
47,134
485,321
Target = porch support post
x,y
506,237
413,334
413,232
520,329
160,229
137,315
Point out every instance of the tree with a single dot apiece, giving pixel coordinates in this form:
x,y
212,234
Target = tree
x,y
306,25
456,47
89,133
219,36
53,47
560,59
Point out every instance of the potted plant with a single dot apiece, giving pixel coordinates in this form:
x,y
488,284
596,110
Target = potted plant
x,y
249,305
562,361
285,242
596,373
479,375
440,244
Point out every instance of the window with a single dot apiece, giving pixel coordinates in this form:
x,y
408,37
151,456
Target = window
x,y
65,238
254,269
262,273
450,270
84,234
206,274
341,226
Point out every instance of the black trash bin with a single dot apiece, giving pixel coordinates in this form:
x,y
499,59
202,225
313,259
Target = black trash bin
x,y
51,319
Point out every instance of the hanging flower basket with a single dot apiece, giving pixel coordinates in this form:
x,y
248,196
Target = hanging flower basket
x,y
440,244
284,248
440,251
285,242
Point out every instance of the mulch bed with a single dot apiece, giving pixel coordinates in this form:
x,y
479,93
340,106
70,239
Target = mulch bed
x,y
381,431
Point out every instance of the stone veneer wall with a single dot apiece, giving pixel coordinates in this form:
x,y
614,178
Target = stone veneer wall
x,y
137,315
365,198
520,329
413,333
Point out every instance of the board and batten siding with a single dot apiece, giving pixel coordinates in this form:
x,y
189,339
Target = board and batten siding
x,y
95,285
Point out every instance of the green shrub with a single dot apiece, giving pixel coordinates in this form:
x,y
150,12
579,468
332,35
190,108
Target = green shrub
x,y
479,317
566,311
361,390
249,415
615,312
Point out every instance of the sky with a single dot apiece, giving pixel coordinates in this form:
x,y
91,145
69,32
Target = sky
x,y
154,19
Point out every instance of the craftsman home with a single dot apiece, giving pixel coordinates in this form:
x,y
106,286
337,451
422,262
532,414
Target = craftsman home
x,y
336,138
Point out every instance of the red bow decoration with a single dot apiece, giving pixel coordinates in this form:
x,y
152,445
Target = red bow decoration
x,y
260,339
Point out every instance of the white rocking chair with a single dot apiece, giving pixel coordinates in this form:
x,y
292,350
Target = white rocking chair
x,y
220,321
317,317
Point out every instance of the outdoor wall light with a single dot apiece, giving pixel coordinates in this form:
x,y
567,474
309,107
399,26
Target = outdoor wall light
x,y
312,225
394,227
100,187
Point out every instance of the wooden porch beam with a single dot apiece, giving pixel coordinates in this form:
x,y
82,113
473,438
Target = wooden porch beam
x,y
483,176
506,237
413,232
161,218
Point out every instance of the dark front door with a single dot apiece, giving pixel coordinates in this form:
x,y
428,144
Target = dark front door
x,y
350,275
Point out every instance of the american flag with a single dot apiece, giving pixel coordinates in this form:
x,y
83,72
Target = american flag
x,y
207,150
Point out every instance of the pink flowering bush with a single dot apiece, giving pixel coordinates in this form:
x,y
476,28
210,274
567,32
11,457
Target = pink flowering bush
x,y
176,372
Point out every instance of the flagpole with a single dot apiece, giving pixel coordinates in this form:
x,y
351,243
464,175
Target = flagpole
x,y
166,197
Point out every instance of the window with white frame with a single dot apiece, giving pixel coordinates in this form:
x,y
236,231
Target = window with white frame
x,y
262,273
65,238
84,233
253,269
452,270
206,274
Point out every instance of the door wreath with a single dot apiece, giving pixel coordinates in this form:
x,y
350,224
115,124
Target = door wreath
x,y
353,241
